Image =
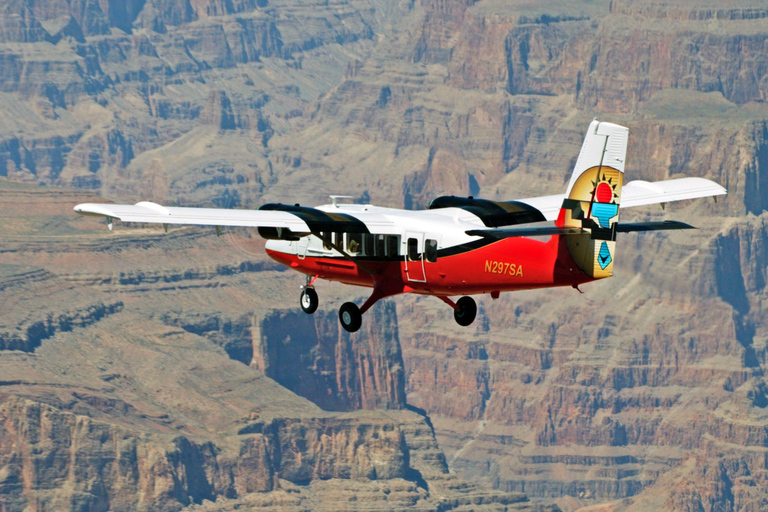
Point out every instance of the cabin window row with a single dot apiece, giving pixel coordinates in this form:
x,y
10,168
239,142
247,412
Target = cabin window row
x,y
365,244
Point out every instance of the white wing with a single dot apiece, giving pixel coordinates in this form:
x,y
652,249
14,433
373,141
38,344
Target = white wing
x,y
299,220
155,213
305,220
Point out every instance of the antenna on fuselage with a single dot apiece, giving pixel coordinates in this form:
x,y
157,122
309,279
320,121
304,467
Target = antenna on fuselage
x,y
336,198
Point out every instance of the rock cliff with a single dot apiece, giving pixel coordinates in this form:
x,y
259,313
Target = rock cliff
x,y
55,459
315,358
147,399
162,371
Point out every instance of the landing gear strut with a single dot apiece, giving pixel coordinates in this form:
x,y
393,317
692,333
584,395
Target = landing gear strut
x,y
309,300
464,310
351,316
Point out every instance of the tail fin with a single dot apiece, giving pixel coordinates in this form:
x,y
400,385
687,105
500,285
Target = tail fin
x,y
593,197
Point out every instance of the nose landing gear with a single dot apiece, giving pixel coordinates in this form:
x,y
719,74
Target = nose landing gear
x,y
309,300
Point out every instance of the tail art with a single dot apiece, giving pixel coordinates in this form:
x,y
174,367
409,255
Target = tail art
x,y
593,197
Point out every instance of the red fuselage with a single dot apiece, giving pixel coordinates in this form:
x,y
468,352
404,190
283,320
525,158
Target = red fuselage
x,y
505,265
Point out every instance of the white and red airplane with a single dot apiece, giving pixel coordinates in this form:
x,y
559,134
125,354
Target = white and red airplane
x,y
459,245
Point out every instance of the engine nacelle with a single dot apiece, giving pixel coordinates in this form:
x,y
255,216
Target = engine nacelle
x,y
280,234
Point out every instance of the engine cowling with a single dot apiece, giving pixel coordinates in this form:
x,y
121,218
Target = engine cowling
x,y
280,234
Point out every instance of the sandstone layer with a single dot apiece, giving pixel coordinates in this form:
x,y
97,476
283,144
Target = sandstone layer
x,y
138,372
143,369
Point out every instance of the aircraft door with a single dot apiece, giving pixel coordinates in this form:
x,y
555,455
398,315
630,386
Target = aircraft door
x,y
414,257
301,247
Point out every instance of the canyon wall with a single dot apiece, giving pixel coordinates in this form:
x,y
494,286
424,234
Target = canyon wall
x,y
184,354
145,371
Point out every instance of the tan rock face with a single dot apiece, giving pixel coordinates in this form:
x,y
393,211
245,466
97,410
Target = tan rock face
x,y
581,387
315,358
63,460
636,51
125,405
647,389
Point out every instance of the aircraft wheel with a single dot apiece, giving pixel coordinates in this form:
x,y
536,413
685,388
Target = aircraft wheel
x,y
350,317
309,300
467,311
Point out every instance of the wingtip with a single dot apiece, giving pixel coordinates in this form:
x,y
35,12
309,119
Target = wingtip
x,y
85,208
94,209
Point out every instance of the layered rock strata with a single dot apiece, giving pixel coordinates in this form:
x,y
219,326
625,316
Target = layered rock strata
x,y
148,401
646,392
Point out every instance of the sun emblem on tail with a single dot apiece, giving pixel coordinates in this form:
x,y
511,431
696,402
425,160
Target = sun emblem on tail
x,y
605,189
604,200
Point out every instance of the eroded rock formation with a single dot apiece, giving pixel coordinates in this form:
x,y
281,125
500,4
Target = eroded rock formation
x,y
315,358
646,392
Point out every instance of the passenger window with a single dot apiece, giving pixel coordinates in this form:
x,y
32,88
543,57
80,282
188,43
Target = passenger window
x,y
392,246
430,250
354,243
326,236
368,245
380,247
413,249
338,239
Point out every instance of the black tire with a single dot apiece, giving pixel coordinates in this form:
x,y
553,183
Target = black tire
x,y
467,311
309,300
350,317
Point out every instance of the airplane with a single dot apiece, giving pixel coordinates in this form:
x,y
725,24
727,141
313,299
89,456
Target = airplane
x,y
458,246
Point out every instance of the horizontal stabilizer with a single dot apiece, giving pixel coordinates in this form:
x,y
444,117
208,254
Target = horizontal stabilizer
x,y
640,193
629,227
621,227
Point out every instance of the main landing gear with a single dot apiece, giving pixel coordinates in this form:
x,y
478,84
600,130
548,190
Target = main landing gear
x,y
464,310
351,316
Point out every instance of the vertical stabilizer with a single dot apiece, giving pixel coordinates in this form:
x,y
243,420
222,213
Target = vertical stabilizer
x,y
593,198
